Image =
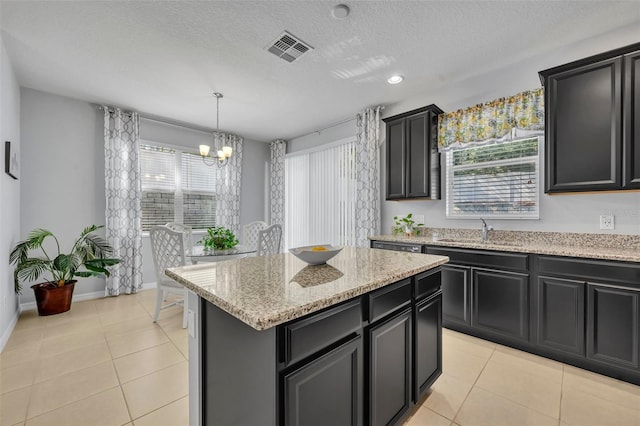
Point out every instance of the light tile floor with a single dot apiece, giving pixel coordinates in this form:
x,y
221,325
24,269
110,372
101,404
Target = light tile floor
x,y
105,363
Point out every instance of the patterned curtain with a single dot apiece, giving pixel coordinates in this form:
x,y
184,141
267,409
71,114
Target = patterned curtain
x,y
276,194
491,121
229,179
122,190
368,175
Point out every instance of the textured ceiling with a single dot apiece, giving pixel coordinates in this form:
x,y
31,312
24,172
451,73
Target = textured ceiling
x,y
166,58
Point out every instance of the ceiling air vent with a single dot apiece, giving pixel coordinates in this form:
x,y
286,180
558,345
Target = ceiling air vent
x,y
289,47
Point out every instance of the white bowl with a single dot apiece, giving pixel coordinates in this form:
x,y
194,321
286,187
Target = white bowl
x,y
315,257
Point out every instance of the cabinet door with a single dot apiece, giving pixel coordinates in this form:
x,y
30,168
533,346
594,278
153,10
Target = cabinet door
x,y
456,294
396,157
584,128
428,345
612,327
561,314
418,155
501,303
632,120
389,375
327,391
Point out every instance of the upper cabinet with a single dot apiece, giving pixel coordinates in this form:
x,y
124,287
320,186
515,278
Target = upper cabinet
x,y
592,123
413,161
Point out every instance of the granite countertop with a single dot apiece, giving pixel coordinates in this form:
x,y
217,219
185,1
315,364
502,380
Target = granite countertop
x,y
265,291
590,246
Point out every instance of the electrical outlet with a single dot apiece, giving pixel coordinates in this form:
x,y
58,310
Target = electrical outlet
x,y
419,218
606,221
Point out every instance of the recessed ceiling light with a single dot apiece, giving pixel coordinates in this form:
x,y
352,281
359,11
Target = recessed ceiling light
x,y
395,79
340,11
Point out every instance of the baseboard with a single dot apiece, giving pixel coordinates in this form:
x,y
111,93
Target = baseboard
x,y
7,333
82,296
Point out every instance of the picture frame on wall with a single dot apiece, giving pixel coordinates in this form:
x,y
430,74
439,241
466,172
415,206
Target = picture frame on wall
x,y
11,160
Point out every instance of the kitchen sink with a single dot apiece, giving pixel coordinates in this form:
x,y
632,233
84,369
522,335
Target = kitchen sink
x,y
472,241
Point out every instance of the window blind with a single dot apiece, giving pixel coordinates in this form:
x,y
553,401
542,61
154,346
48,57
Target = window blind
x,y
499,180
320,196
157,166
198,183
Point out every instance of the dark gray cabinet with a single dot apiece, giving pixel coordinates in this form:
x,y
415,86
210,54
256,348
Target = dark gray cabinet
x,y
456,294
364,361
612,327
591,123
428,338
501,303
390,368
328,390
631,137
561,314
413,161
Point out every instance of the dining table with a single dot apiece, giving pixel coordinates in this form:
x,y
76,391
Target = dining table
x,y
199,254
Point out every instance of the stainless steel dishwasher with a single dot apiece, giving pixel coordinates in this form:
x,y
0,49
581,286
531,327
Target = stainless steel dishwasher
x,y
409,247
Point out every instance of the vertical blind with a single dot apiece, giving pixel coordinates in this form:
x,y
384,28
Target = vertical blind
x,y
499,180
320,195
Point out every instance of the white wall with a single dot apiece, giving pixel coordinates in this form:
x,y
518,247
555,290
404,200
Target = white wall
x,y
9,194
63,169
569,213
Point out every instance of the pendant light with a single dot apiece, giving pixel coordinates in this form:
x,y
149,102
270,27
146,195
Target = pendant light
x,y
223,153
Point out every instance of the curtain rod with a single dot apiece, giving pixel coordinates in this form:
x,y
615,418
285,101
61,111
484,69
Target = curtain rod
x,y
163,120
346,120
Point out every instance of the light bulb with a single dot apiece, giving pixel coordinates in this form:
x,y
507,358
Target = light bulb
x,y
204,150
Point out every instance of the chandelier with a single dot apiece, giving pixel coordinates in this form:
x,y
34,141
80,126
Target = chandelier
x,y
224,152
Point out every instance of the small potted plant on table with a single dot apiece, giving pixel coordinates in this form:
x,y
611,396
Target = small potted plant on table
x,y
218,239
90,251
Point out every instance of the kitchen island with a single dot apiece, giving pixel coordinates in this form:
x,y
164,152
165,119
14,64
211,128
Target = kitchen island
x,y
275,341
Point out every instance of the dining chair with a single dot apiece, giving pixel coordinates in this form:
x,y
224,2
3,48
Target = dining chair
x,y
187,233
250,233
269,240
167,248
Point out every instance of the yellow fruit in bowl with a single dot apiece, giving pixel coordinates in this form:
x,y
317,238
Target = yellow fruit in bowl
x,y
318,248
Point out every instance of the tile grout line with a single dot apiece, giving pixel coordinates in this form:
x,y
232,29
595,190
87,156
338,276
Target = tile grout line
x,y
473,385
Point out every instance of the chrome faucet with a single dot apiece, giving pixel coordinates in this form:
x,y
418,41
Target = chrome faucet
x,y
485,229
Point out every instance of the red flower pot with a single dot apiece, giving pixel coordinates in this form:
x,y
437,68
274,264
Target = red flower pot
x,y
53,300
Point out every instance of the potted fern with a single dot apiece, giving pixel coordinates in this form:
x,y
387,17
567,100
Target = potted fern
x,y
218,238
89,257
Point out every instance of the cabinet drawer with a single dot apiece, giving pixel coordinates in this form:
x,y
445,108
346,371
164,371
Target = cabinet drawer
x,y
309,335
591,270
484,258
388,299
427,283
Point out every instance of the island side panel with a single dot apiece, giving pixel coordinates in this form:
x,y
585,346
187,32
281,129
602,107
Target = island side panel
x,y
239,377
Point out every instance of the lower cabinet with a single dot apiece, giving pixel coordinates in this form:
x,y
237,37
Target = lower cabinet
x,y
365,361
501,303
327,390
612,328
456,295
428,339
561,317
389,369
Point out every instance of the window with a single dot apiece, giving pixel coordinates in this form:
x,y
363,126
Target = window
x,y
320,196
176,187
499,180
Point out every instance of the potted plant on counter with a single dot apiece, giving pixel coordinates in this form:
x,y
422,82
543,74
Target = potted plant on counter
x,y
89,257
406,225
218,238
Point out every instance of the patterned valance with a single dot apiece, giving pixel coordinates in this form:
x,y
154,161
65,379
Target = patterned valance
x,y
491,121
